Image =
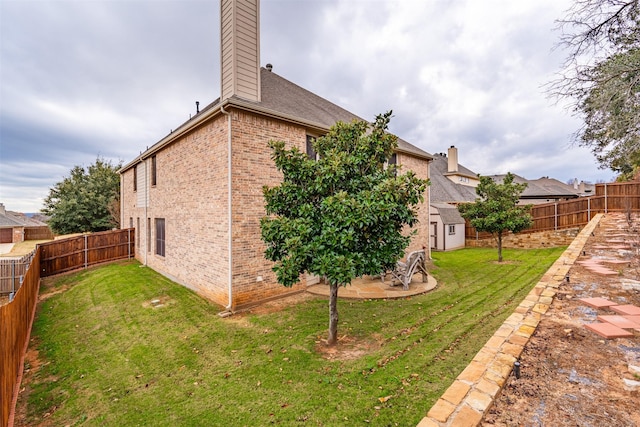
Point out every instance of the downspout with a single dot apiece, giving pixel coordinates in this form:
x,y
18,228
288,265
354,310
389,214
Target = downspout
x,y
229,206
147,223
429,210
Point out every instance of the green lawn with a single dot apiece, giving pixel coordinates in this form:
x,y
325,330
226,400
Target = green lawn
x,y
109,358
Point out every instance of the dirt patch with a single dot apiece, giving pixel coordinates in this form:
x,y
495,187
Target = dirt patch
x,y
32,365
570,376
47,293
347,348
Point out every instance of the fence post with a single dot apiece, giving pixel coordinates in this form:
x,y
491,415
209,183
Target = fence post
x,y
605,197
588,209
86,252
129,244
555,216
13,278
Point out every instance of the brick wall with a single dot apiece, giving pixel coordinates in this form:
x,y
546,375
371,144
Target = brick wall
x,y
191,195
252,167
540,239
420,167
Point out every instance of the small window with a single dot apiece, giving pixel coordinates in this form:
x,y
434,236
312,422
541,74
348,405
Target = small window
x,y
137,232
452,229
393,160
310,151
130,222
160,239
135,178
153,170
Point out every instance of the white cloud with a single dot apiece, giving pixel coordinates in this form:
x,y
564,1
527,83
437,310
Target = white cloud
x,y
87,78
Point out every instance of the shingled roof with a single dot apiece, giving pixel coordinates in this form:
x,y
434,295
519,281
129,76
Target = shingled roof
x,y
542,188
444,190
284,100
449,214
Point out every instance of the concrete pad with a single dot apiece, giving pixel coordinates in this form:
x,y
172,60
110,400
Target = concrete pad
x,y
597,302
374,288
627,309
619,321
608,331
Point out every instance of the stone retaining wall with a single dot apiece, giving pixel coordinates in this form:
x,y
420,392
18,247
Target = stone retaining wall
x,y
471,395
541,239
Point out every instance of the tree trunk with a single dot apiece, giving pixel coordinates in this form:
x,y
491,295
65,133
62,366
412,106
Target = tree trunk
x,y
333,314
499,247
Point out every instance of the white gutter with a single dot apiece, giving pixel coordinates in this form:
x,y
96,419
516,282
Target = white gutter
x,y
429,210
146,219
230,242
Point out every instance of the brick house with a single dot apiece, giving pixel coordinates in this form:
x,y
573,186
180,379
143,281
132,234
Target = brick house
x,y
195,197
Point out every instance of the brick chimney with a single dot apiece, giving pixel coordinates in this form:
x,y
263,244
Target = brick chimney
x,y
452,159
240,49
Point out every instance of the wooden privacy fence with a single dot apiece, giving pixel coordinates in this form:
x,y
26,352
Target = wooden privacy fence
x,y
83,251
38,233
610,197
12,271
16,319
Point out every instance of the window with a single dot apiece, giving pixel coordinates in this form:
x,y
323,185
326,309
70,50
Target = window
x,y
137,232
393,160
153,170
135,178
130,222
452,229
310,151
160,236
149,235
463,179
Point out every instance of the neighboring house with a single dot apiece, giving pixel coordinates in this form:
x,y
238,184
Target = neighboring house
x,y
15,225
584,189
542,190
451,184
195,197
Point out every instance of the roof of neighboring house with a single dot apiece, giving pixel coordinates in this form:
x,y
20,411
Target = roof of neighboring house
x,y
449,214
6,221
18,219
543,188
443,189
281,99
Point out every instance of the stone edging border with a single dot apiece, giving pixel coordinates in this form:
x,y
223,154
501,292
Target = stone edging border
x,y
471,395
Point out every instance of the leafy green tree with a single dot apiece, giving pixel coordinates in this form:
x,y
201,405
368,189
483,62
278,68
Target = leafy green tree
x,y
342,216
601,79
496,209
611,110
82,201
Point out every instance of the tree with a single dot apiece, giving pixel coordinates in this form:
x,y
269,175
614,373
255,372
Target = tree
x,y
601,78
342,216
496,209
82,201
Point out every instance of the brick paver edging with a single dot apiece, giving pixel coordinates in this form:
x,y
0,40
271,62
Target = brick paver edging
x,y
471,395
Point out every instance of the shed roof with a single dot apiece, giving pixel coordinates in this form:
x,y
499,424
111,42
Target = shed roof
x,y
449,214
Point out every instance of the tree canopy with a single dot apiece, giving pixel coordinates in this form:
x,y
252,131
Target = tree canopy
x,y
84,201
496,209
601,79
341,216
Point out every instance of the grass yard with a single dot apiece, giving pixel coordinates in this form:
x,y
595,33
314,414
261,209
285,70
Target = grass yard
x,y
108,357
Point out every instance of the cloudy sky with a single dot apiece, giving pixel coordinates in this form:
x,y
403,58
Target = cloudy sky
x,y
86,78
